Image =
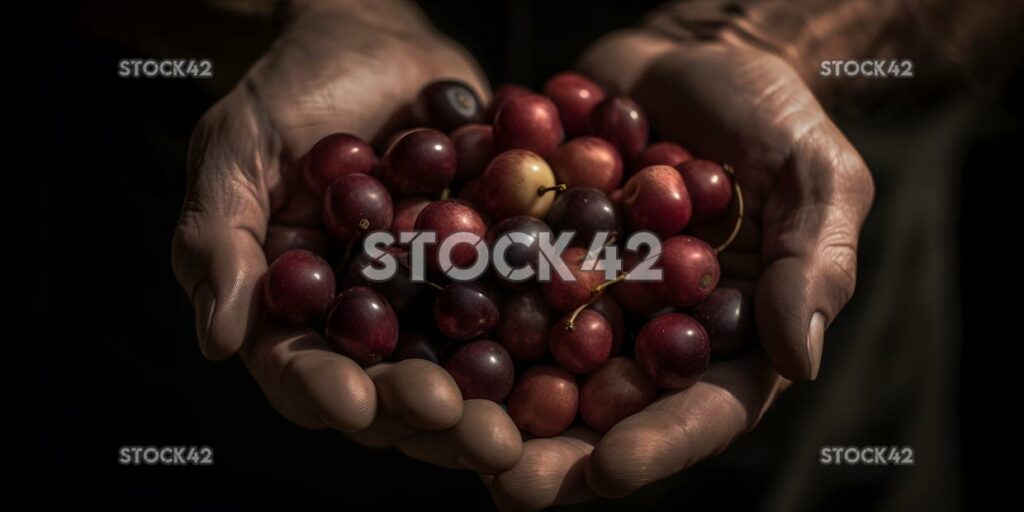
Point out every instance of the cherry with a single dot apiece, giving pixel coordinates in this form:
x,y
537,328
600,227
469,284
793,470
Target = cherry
x,y
482,369
661,153
584,210
564,295
728,317
334,156
584,347
575,96
612,312
517,182
362,325
616,391
402,293
464,311
406,212
710,189
673,350
310,239
474,148
447,105
518,255
418,346
420,162
502,94
298,287
355,204
656,199
637,297
523,328
690,270
587,162
446,218
544,401
529,122
621,122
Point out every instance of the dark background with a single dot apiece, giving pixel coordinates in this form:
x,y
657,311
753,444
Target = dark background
x,y
111,353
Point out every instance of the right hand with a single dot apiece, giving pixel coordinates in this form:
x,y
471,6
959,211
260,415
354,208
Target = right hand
x,y
339,69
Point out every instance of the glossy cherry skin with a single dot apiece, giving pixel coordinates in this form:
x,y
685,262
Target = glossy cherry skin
x,y
298,287
362,325
565,295
355,204
447,105
463,311
656,199
446,218
710,189
584,210
482,369
406,213
575,96
639,297
421,162
587,162
474,149
584,348
510,185
524,325
621,122
529,122
517,254
402,293
502,94
617,390
728,317
661,153
673,350
544,401
690,271
607,306
419,346
334,156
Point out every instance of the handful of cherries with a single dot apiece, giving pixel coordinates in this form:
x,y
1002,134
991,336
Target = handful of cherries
x,y
590,341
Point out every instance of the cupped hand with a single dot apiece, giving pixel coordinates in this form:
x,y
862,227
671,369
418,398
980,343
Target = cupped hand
x,y
352,68
807,192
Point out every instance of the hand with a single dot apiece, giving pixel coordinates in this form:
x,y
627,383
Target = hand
x,y
345,68
807,192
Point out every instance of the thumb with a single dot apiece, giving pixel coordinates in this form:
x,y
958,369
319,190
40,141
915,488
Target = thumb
x,y
217,250
812,222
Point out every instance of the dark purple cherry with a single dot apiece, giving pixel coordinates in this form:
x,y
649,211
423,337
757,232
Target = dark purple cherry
x,y
482,369
655,199
575,96
298,287
585,346
446,218
709,187
421,162
584,210
524,325
463,311
502,94
587,162
517,254
447,105
474,148
362,325
529,122
622,122
673,350
355,204
334,156
728,317
690,271
402,293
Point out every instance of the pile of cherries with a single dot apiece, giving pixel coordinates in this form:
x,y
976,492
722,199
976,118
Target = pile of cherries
x,y
570,159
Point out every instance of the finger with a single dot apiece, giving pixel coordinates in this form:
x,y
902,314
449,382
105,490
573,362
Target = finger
x,y
308,383
484,440
812,221
217,250
550,472
683,427
421,393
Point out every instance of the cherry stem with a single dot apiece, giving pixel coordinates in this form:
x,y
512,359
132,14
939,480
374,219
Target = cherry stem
x,y
739,207
434,286
570,324
445,194
612,238
561,187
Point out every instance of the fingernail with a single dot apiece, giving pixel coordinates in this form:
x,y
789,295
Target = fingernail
x,y
204,302
815,340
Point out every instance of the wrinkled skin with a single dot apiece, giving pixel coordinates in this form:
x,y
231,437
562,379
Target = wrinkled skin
x,y
346,70
807,193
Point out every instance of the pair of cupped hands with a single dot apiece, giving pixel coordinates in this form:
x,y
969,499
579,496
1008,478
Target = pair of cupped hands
x,y
807,192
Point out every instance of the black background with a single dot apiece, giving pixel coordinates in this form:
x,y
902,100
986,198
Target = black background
x,y
110,349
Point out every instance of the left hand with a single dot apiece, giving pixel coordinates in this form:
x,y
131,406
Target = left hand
x,y
807,193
